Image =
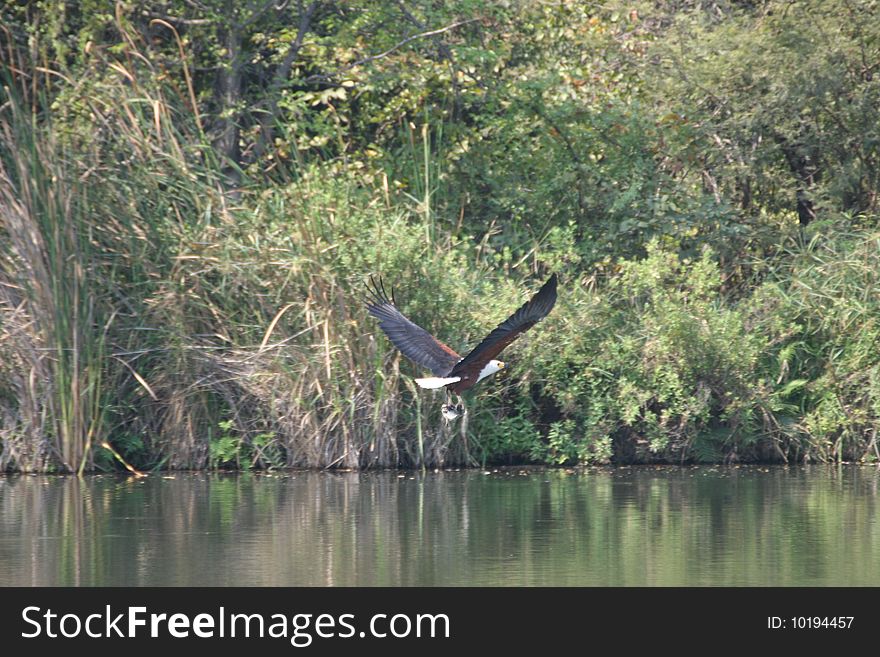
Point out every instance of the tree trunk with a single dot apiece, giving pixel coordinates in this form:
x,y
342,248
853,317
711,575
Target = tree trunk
x,y
279,79
806,170
228,96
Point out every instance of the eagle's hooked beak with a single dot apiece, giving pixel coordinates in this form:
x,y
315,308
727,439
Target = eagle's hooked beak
x,y
501,364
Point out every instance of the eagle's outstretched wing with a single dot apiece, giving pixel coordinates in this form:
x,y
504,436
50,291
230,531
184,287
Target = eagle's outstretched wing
x,y
529,314
413,341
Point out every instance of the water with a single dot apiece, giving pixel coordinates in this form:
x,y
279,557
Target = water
x,y
631,526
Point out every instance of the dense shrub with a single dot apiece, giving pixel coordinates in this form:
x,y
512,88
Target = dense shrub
x,y
194,196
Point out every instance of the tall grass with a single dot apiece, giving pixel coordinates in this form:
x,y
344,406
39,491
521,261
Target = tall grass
x,y
53,320
824,306
324,382
150,316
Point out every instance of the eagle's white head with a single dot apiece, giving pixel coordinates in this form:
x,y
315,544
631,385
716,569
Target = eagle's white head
x,y
490,368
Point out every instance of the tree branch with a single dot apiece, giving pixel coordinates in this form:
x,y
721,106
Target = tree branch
x,y
305,20
397,46
282,74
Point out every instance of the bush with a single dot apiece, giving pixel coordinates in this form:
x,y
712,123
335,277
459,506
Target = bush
x,y
654,366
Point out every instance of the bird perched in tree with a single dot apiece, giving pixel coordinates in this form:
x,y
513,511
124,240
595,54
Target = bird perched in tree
x,y
450,370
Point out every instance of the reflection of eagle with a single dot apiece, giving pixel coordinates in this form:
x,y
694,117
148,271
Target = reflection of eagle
x,y
451,371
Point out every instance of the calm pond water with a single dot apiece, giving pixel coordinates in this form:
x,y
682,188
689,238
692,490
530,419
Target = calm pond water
x,y
689,526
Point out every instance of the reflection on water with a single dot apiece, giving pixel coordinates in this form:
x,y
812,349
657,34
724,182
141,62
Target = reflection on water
x,y
628,526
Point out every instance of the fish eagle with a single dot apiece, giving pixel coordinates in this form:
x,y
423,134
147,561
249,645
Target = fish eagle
x,y
450,370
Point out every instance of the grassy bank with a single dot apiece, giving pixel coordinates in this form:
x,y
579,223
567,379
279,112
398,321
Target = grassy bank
x,y
165,304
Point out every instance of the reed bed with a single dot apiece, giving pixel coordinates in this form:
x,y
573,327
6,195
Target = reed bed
x,y
150,310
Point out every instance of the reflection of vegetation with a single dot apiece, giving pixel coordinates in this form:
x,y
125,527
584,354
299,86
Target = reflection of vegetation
x,y
192,194
667,526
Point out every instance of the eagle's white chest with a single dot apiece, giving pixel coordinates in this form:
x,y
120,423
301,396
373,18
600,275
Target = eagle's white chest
x,y
489,369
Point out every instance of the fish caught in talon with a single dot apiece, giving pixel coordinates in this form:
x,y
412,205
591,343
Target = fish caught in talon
x,y
452,412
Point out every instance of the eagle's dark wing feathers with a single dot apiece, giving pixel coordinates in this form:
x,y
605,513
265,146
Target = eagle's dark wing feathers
x,y
529,314
413,341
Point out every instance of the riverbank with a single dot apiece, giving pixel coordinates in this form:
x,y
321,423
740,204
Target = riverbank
x,y
186,233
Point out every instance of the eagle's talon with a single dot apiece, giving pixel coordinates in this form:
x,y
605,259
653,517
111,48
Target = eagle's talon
x,y
452,411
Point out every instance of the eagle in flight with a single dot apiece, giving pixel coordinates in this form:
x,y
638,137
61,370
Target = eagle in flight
x,y
450,370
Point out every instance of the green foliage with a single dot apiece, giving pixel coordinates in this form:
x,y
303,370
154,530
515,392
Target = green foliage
x,y
781,102
243,452
825,306
654,362
195,193
510,437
